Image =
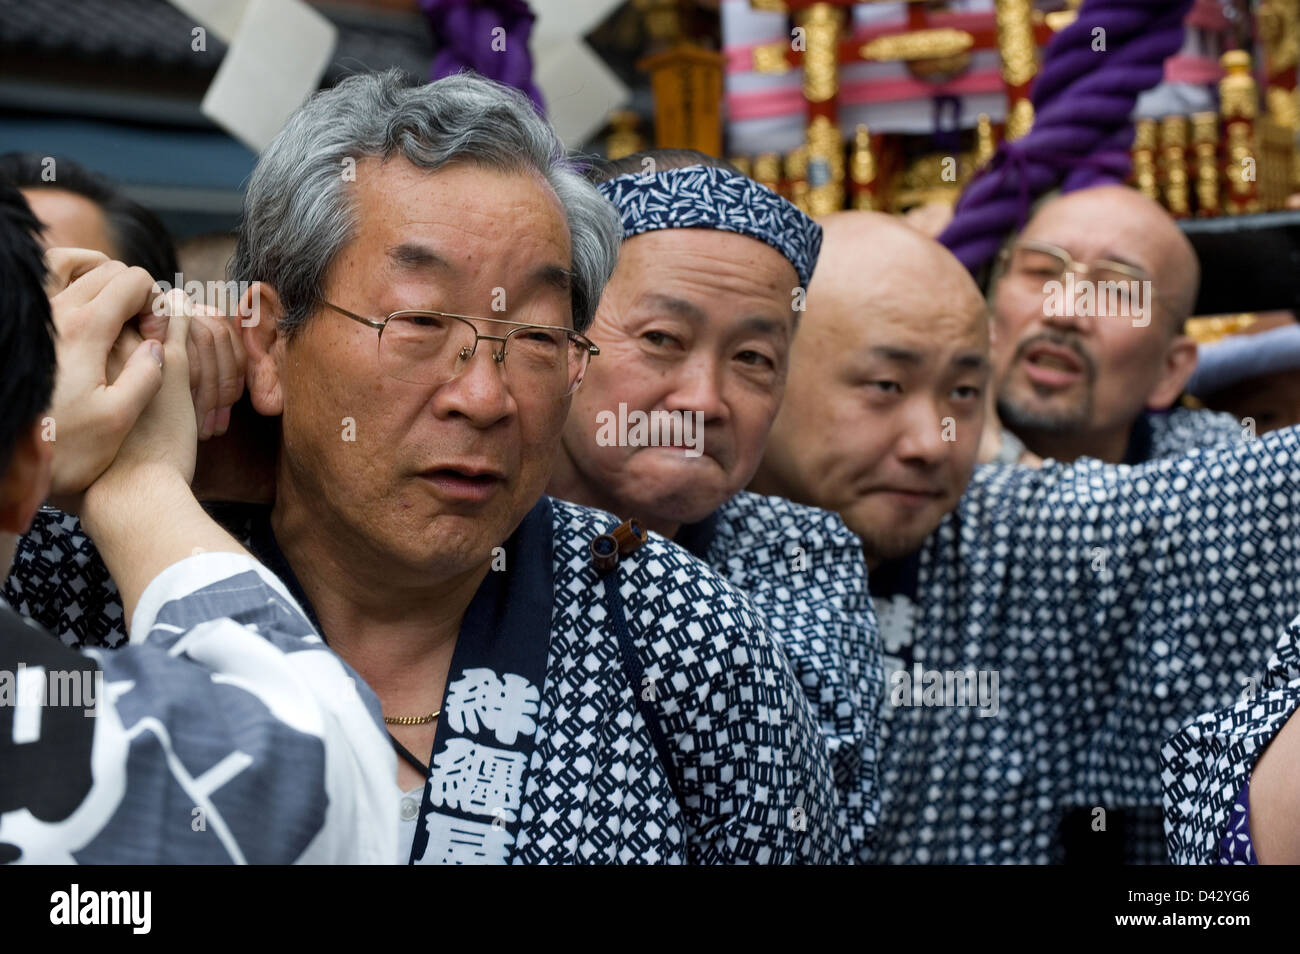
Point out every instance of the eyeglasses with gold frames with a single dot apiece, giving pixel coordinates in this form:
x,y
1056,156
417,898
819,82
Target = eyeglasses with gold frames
x,y
432,347
1037,263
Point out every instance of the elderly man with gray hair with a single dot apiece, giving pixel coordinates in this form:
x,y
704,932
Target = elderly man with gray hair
x,y
422,263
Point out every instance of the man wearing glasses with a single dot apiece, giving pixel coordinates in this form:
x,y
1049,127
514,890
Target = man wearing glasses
x,y
1088,346
1111,603
419,335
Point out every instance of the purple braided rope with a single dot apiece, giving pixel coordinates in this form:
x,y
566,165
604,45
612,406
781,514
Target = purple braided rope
x,y
465,30
1082,133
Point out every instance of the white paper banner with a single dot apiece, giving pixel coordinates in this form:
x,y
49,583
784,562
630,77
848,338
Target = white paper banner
x,y
580,91
278,52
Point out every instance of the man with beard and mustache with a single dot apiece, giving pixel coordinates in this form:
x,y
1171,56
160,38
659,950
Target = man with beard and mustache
x,y
1089,353
552,695
1103,605
695,325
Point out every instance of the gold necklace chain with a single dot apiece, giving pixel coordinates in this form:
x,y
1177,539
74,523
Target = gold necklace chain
x,y
413,720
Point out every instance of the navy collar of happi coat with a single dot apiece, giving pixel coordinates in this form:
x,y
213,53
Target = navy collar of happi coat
x,y
473,793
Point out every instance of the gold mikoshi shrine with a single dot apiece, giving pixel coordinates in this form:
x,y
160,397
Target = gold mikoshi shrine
x,y
1238,159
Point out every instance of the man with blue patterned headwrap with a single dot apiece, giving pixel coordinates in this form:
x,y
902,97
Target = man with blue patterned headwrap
x,y
694,330
555,694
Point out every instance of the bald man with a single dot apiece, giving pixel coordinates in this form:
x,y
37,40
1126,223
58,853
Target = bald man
x,y
1088,346
1044,630
929,330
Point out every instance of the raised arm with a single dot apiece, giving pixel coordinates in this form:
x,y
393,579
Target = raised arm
x,y
1202,545
226,731
1148,594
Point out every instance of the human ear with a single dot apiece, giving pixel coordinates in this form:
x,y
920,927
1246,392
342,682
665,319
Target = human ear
x,y
262,310
26,481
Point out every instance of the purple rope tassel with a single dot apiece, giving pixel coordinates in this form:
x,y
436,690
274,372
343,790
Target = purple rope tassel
x,y
1082,133
467,30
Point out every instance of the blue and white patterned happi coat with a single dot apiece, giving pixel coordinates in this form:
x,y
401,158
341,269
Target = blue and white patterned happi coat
x,y
750,761
1182,429
805,573
1208,762
1156,434
295,767
1115,603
